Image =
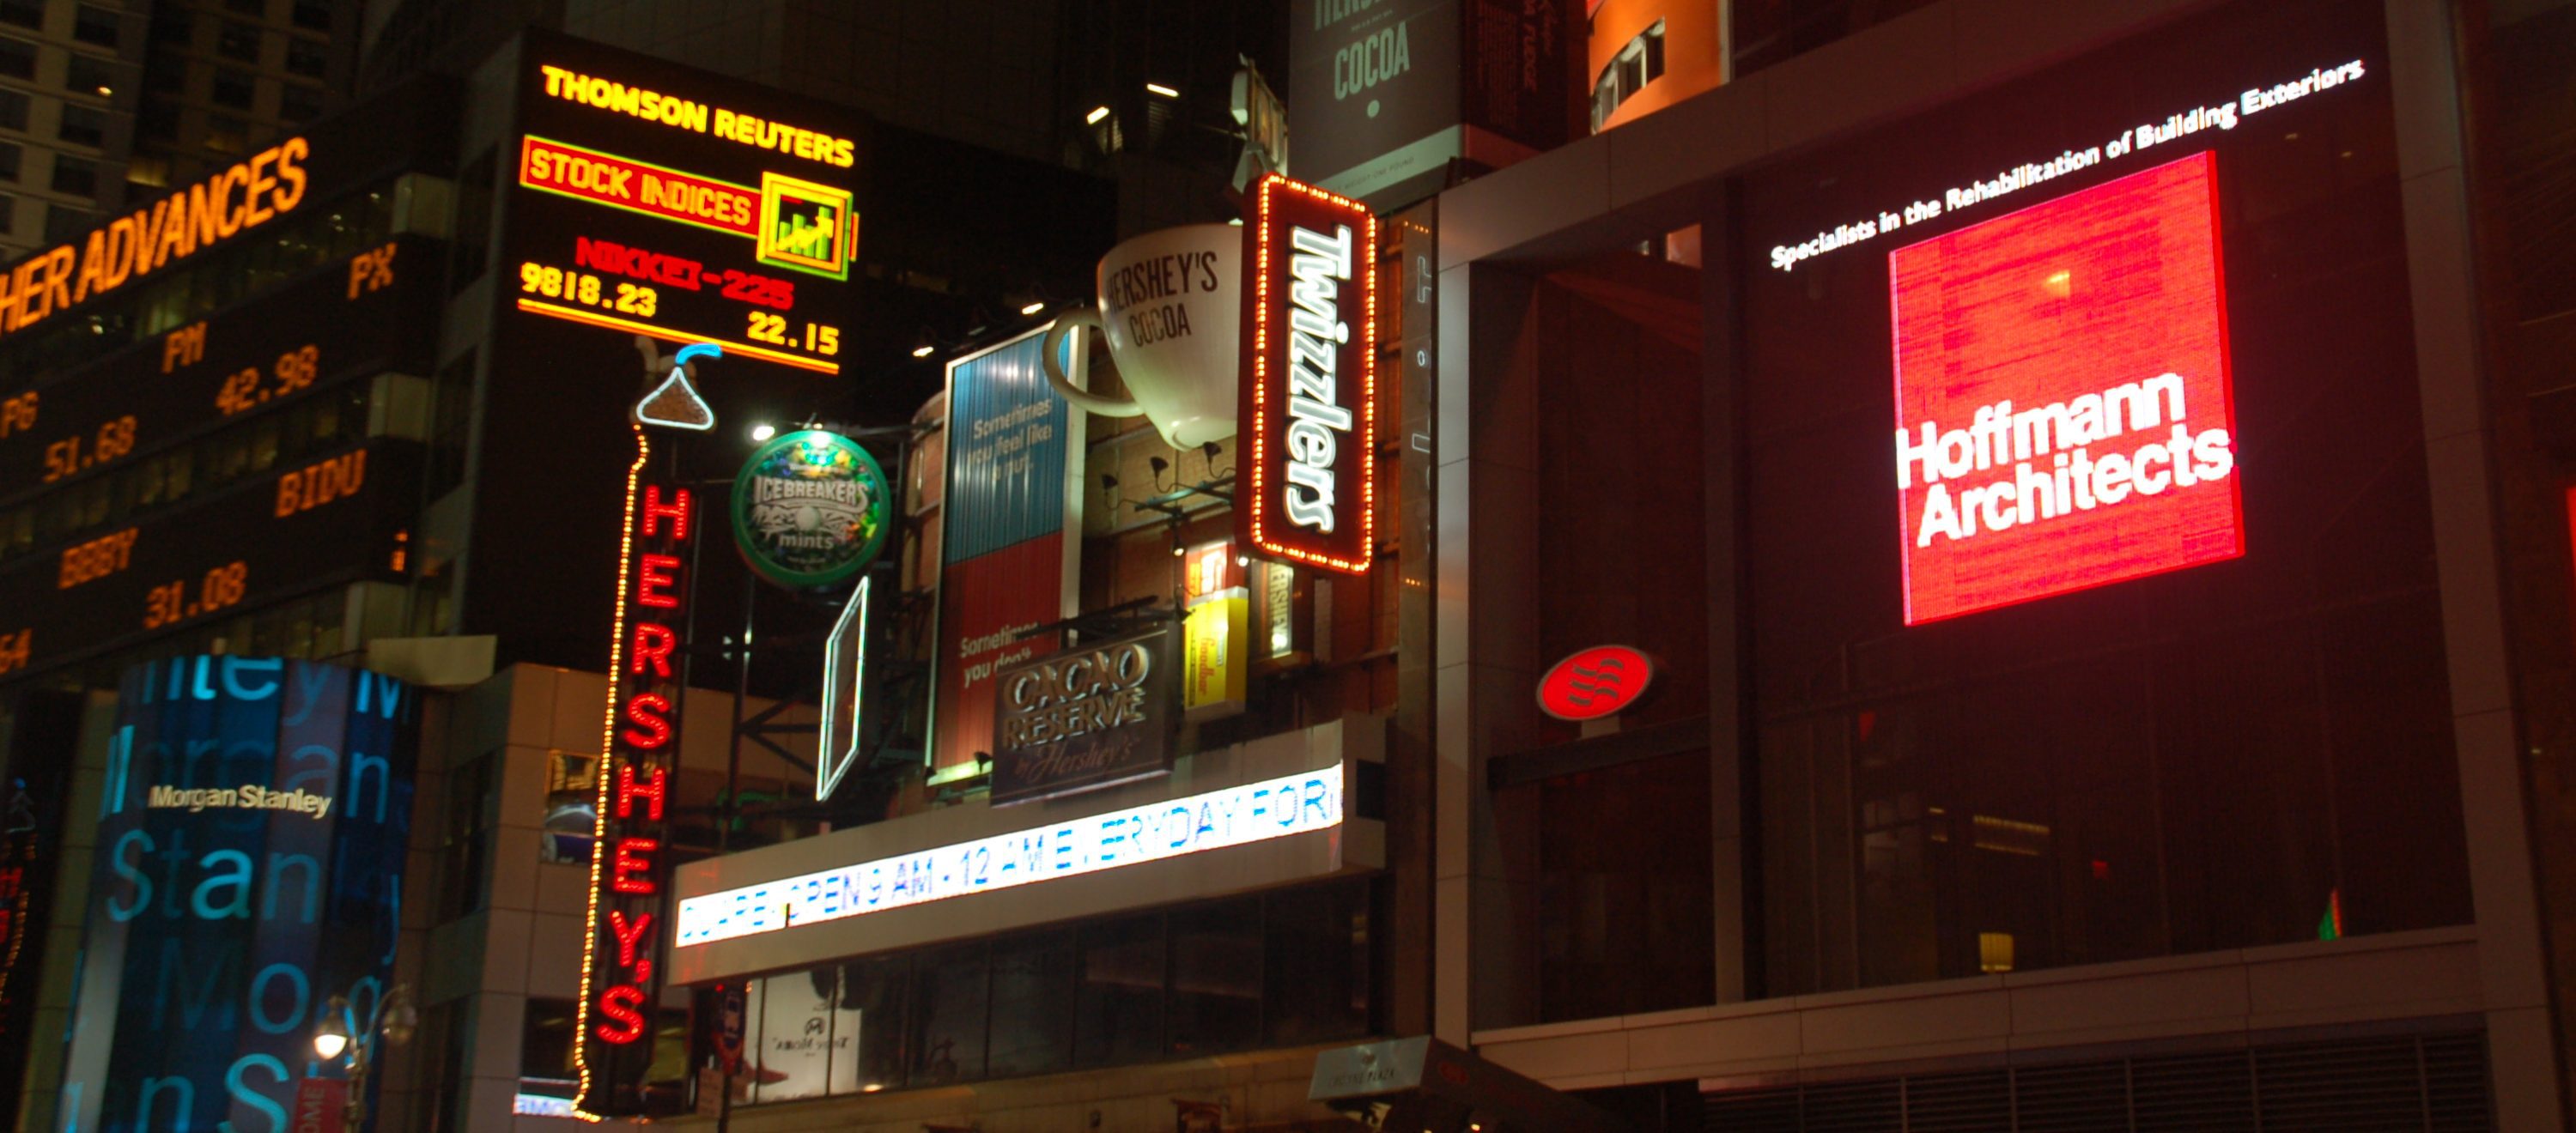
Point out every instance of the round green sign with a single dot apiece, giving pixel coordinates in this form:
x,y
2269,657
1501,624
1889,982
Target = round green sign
x,y
810,508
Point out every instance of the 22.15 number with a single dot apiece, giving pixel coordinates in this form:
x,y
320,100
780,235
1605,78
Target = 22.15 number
x,y
169,602
816,337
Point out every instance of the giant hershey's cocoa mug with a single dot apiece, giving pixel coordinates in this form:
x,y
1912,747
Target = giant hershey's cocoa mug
x,y
1171,306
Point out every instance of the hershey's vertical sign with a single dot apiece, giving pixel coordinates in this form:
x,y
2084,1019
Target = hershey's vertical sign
x,y
621,972
1309,402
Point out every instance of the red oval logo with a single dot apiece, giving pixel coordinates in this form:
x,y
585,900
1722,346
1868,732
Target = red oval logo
x,y
1596,682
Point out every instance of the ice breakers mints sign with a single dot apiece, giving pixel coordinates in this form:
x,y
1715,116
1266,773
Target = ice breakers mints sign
x,y
2063,411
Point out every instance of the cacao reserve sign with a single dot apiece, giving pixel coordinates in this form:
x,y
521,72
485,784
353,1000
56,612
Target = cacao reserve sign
x,y
810,508
1083,718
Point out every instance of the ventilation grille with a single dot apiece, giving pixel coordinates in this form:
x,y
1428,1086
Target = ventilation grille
x,y
2398,1084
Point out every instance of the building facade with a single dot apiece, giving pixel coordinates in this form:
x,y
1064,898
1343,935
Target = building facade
x,y
2008,784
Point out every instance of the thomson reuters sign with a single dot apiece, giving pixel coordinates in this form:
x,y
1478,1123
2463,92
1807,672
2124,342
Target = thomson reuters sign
x,y
2063,410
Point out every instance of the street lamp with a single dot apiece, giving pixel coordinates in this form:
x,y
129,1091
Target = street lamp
x,y
391,1017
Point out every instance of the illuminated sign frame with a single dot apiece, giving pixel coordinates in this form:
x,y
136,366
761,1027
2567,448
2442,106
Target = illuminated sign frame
x,y
875,513
619,984
845,674
1299,477
1161,831
2064,405
1596,682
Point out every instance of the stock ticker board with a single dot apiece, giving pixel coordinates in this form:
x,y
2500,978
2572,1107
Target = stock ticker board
x,y
115,435
656,200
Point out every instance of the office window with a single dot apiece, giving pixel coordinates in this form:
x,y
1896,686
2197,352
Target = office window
x,y
238,41
152,171
24,13
173,25
13,109
89,74
157,120
17,58
8,224
299,103
308,57
82,125
233,88
92,24
226,134
12,156
74,175
314,14
62,224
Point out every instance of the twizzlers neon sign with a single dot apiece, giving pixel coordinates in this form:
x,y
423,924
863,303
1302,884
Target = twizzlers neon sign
x,y
1308,407
2064,417
620,976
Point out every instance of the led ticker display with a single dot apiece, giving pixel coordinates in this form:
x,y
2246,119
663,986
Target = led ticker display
x,y
314,522
1214,820
359,317
647,211
2064,418
1309,402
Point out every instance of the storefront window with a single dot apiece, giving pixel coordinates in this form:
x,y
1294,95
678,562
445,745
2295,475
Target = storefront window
x,y
1280,969
2242,751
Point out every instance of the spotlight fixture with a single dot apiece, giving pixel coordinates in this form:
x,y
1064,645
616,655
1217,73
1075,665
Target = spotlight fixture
x,y
1027,302
1160,466
1212,448
1032,307
762,432
1108,482
924,346
1097,113
1158,88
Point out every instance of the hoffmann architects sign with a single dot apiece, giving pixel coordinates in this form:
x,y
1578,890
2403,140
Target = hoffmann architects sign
x,y
2063,417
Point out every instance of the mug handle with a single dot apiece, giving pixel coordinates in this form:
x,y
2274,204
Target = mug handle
x,y
1104,406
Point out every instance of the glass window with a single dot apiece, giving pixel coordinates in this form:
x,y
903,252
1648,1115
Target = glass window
x,y
82,125
873,990
76,176
62,224
173,25
12,157
8,223
93,24
545,1048
948,1015
314,14
1119,1007
1033,997
2232,755
308,57
238,41
157,120
1316,960
17,58
226,134
23,13
1216,977
805,1028
298,103
13,109
233,88
89,74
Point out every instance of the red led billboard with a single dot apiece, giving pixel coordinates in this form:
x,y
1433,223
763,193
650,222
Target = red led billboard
x,y
2064,418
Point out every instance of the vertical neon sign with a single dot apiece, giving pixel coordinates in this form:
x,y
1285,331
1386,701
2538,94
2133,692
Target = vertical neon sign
x,y
620,976
1308,407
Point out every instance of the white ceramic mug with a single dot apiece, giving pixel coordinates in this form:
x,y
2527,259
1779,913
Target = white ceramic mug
x,y
1171,306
